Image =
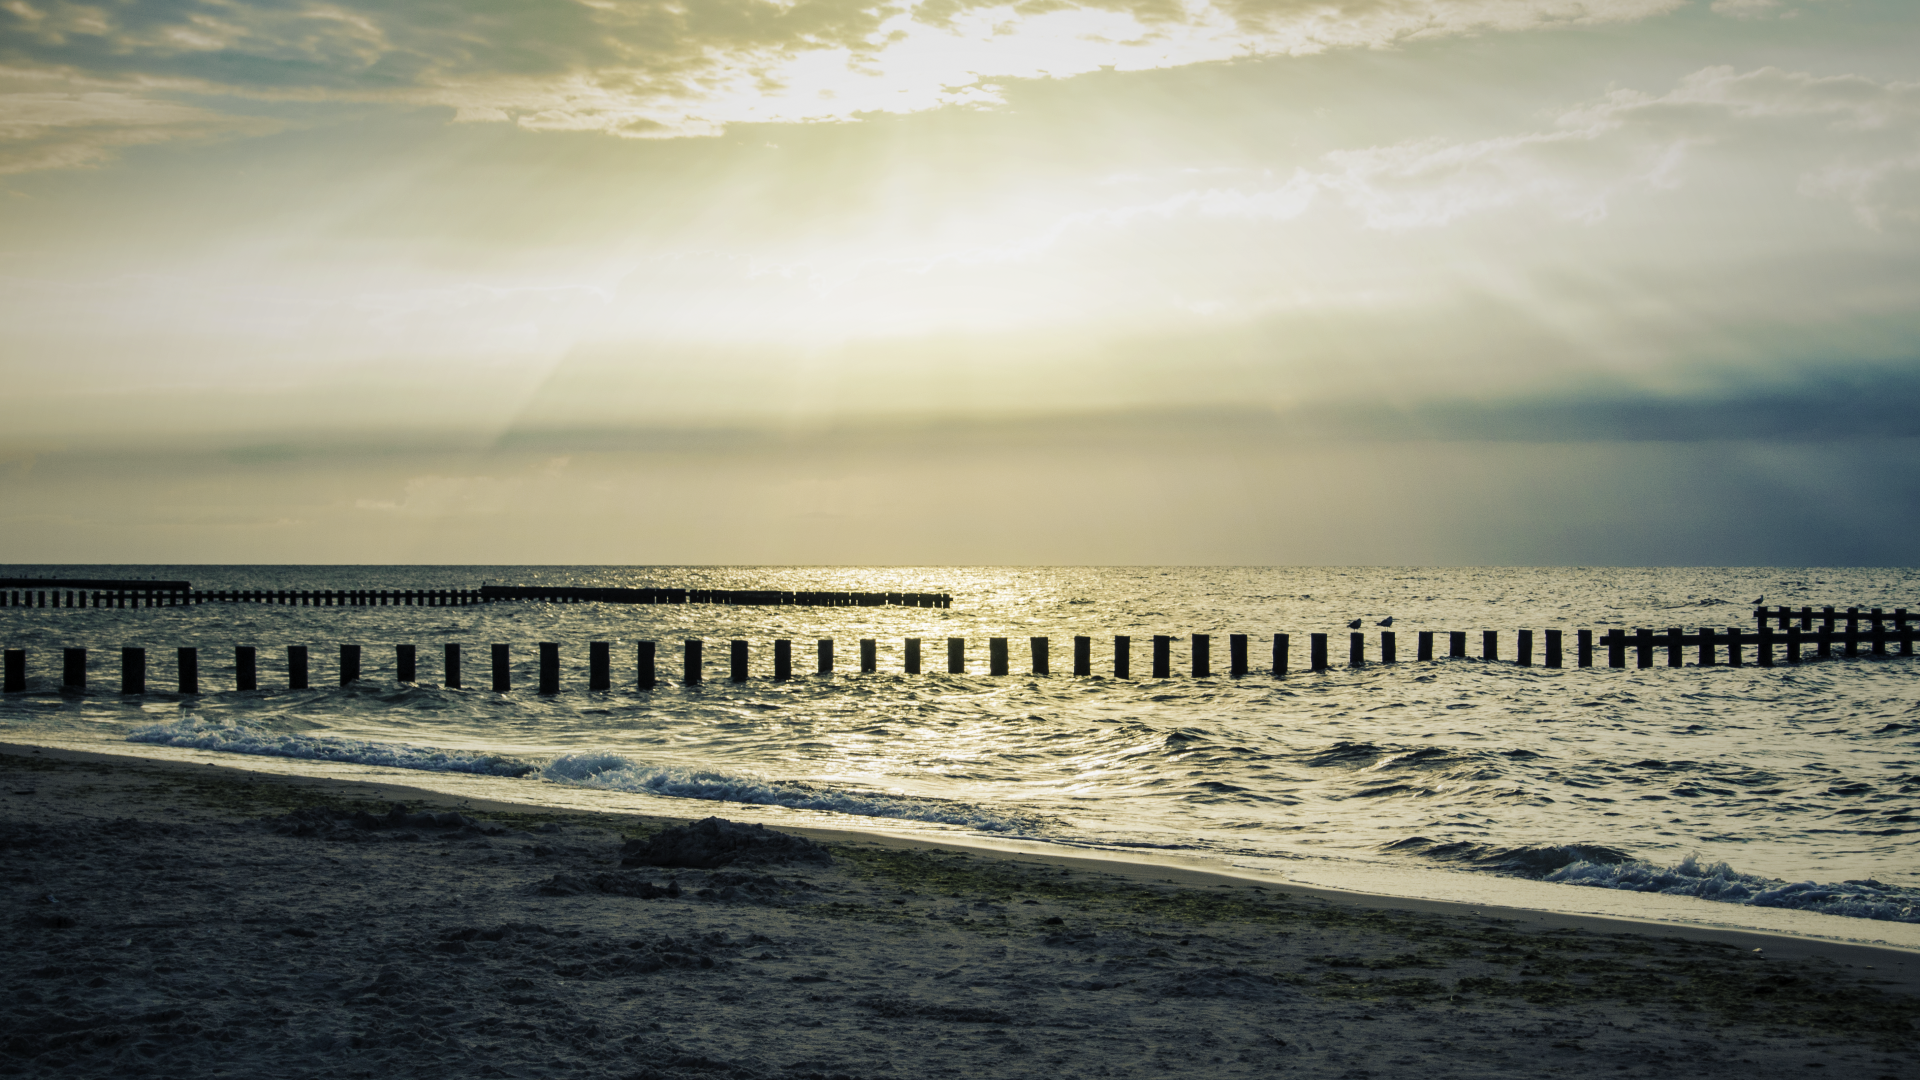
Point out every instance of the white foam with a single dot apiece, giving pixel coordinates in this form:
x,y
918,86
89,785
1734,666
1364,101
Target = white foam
x,y
1718,881
617,773
240,738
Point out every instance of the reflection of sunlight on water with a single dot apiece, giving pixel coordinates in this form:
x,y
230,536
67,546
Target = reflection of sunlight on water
x,y
1786,772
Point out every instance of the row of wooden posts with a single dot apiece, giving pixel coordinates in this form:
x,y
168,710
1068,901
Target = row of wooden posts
x,y
149,598
177,594
1645,645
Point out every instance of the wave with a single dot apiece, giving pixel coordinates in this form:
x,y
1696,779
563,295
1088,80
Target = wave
x,y
1601,867
1860,899
1528,862
617,773
242,738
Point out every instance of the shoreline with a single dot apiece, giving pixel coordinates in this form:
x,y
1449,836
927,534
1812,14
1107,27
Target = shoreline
x,y
188,919
1900,963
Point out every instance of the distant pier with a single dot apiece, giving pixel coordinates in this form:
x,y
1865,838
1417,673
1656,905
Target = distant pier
x,y
93,593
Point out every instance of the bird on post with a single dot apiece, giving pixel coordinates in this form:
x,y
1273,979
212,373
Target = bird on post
x,y
1757,599
1388,621
1354,625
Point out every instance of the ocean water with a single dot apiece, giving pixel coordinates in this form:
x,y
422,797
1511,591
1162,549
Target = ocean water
x,y
1750,788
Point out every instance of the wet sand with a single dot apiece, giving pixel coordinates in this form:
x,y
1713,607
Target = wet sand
x,y
168,919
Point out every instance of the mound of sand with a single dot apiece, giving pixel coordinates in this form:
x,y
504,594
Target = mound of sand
x,y
714,842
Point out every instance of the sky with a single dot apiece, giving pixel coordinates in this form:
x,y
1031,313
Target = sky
x,y
1500,282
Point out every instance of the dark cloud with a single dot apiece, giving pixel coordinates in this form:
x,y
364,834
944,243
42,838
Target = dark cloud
x,y
665,67
1834,405
288,45
1847,404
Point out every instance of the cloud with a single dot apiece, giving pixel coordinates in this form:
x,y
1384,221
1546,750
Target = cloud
x,y
1856,138
71,129
662,68
1746,9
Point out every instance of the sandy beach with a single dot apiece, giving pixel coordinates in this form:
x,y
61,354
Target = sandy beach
x,y
195,920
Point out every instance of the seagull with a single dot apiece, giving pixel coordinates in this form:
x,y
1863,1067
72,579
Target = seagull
x,y
1757,599
1388,621
1354,625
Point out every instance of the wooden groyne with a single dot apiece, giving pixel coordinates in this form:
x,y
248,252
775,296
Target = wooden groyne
x,y
573,594
1710,647
33,593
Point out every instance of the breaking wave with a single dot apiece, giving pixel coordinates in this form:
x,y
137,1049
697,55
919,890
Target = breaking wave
x,y
617,773
1860,899
240,738
1601,867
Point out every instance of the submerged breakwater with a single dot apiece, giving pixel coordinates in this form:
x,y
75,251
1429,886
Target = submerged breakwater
x,y
1789,785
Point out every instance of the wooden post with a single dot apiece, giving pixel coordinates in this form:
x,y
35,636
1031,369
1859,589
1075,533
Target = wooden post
x,y
1765,647
549,668
782,660
1489,644
599,666
349,664
825,649
1643,647
869,656
1824,637
1733,646
1280,645
1423,645
1038,645
644,675
1356,649
1676,647
737,660
73,675
133,670
246,668
1236,655
1122,656
997,656
1162,656
913,656
450,672
1616,648
690,663
1202,656
1806,618
1082,655
1553,648
502,670
188,666
956,656
1706,656
296,667
1523,656
15,681
1389,648
1457,644
1317,652
1583,648
404,667
1793,644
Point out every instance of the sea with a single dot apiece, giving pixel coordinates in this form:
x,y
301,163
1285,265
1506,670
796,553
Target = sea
x,y
1781,798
